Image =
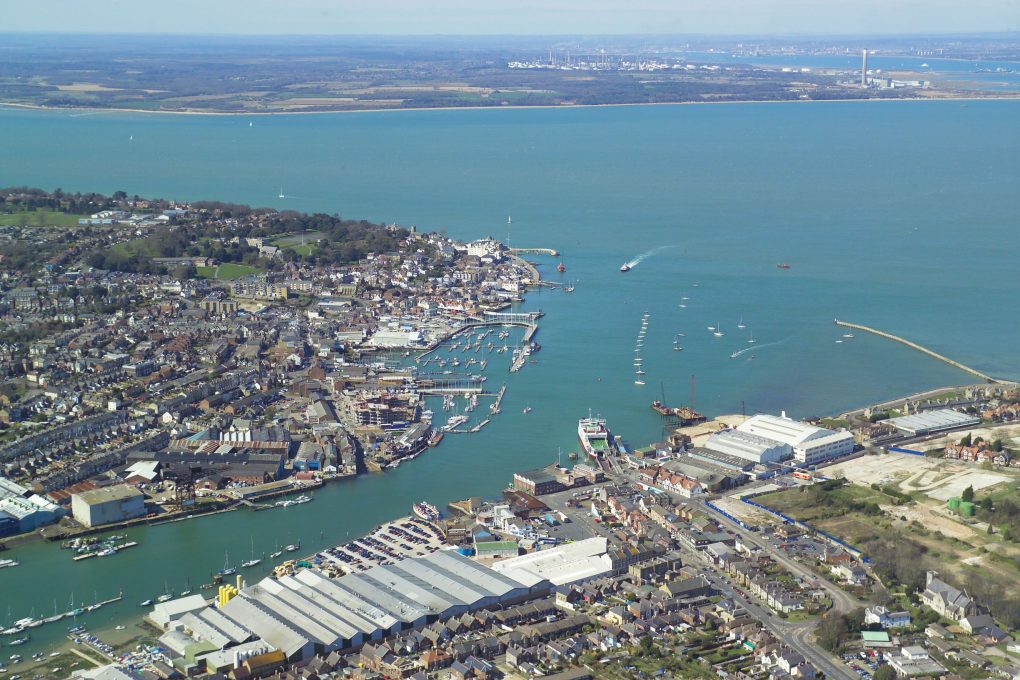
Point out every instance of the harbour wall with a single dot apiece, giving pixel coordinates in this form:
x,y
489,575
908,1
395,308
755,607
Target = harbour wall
x,y
919,348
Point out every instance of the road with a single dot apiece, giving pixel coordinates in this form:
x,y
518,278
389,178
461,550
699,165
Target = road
x,y
799,636
841,602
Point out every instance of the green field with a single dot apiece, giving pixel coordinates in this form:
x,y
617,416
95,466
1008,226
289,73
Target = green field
x,y
227,271
812,505
135,246
39,218
302,244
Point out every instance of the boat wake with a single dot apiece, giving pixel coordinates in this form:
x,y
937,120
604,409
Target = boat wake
x,y
755,348
644,256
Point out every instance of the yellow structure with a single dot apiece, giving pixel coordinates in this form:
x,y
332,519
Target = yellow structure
x,y
226,594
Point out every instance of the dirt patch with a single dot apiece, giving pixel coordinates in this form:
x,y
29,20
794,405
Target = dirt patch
x,y
87,87
748,513
930,520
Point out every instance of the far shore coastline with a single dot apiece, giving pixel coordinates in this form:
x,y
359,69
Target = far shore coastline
x,y
196,112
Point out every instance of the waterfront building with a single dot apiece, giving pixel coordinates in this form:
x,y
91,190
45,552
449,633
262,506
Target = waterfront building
x,y
810,444
21,510
748,446
113,671
538,482
929,422
108,504
306,613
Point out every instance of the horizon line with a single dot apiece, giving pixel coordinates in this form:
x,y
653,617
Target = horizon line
x,y
892,34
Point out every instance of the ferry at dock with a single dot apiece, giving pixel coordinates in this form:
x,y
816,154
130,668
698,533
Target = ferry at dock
x,y
594,436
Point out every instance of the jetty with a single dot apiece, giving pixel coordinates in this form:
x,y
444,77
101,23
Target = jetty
x,y
535,251
919,348
495,407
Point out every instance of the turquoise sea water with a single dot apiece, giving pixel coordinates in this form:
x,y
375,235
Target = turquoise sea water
x,y
900,215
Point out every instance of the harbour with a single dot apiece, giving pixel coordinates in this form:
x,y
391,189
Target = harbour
x,y
582,333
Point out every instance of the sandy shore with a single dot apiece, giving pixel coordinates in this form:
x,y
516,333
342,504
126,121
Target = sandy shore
x,y
194,112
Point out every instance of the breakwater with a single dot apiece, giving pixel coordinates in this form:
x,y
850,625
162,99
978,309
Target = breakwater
x,y
919,348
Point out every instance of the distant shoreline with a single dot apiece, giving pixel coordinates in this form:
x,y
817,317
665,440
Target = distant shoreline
x,y
39,107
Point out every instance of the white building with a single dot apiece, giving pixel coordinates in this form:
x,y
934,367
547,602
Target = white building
x,y
306,613
748,446
885,618
165,612
810,444
107,504
486,246
569,563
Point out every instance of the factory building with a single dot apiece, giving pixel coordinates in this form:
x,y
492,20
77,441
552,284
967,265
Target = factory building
x,y
570,563
21,510
749,446
810,444
307,614
108,504
942,420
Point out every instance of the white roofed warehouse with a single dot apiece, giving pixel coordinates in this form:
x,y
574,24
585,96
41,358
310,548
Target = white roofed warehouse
x,y
306,613
928,422
810,444
748,446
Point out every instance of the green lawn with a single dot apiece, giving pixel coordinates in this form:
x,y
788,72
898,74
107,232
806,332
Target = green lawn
x,y
39,218
291,240
227,271
132,247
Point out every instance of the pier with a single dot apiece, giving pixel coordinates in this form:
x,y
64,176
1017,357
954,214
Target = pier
x,y
535,251
919,348
495,407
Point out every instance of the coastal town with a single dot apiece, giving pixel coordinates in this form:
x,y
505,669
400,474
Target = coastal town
x,y
163,360
193,383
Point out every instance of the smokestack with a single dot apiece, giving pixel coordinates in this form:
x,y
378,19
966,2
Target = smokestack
x,y
864,67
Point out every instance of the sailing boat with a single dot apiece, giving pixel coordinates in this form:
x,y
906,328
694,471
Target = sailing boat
x,y
751,340
56,616
227,570
741,324
281,193
508,220
277,552
718,330
253,561
167,595
676,343
527,409
187,587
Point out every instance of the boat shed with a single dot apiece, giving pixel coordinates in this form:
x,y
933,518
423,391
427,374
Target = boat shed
x,y
929,422
569,563
307,613
165,612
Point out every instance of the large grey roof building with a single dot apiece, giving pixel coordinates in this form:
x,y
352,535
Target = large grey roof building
x,y
308,614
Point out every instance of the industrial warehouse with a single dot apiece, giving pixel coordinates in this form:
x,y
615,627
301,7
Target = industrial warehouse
x,y
305,614
770,439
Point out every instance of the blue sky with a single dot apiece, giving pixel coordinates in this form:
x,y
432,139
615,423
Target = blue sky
x,y
512,16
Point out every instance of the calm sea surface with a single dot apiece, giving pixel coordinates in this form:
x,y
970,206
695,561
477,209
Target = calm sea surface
x,y
900,215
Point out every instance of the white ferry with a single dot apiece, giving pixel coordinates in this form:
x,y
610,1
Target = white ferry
x,y
594,436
